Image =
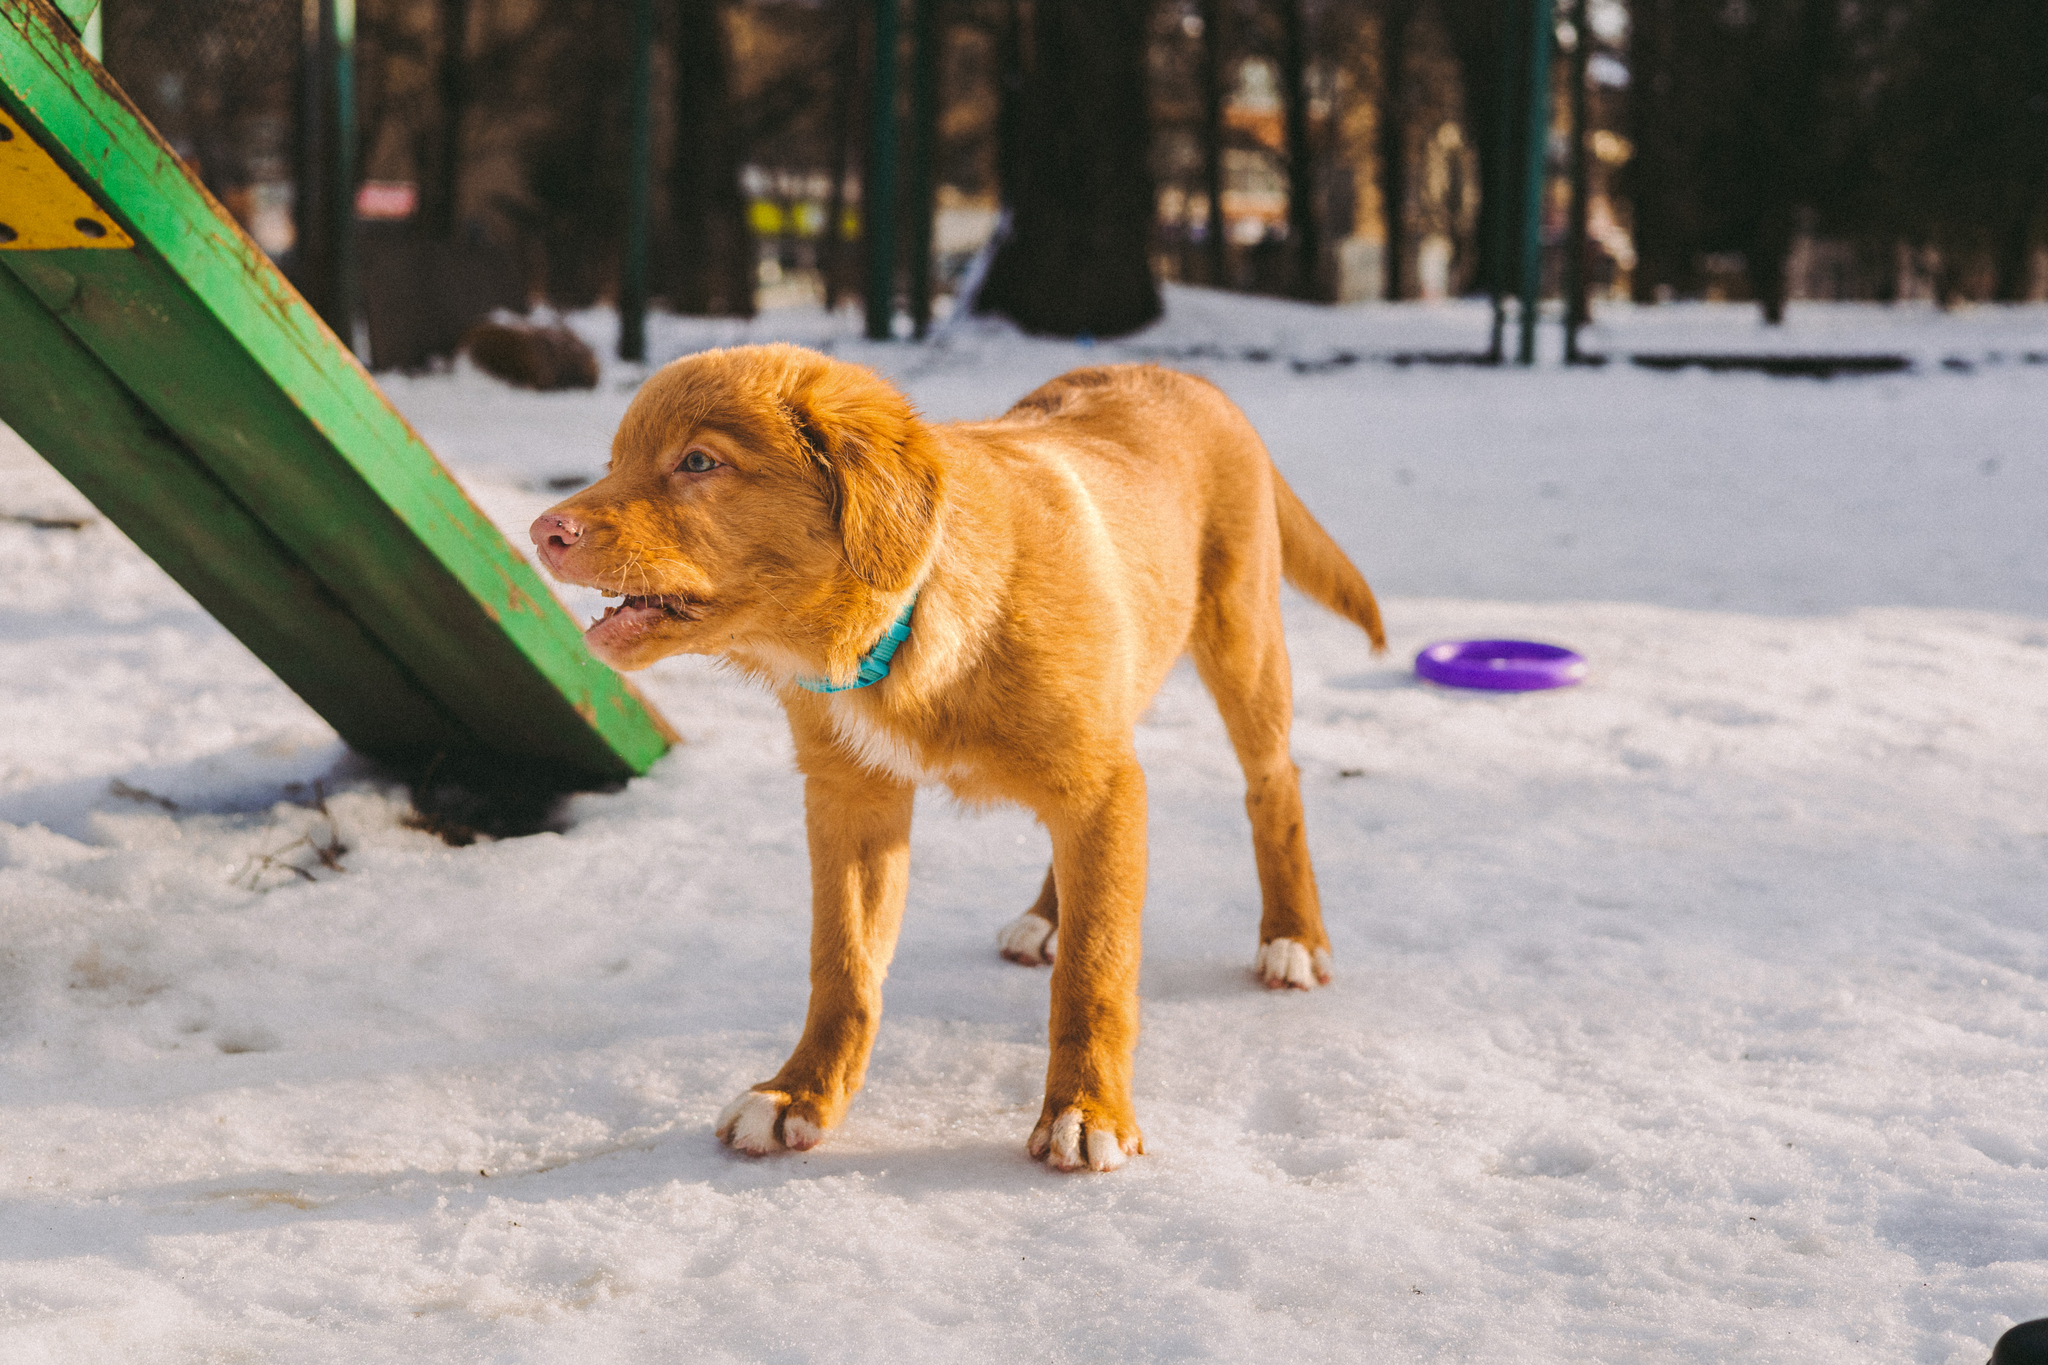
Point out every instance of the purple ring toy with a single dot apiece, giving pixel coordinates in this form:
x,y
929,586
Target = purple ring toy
x,y
1500,665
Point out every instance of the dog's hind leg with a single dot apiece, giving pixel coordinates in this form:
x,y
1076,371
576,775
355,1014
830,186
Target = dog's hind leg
x,y
1241,654
1032,938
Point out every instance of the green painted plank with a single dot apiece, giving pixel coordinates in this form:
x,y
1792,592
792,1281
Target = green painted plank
x,y
61,400
77,11
208,390
203,330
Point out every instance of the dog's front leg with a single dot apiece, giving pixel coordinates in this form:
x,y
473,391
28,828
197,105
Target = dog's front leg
x,y
859,825
1098,854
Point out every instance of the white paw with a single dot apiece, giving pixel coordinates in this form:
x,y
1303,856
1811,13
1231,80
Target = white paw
x,y
1284,964
800,1134
1029,940
1068,1144
749,1122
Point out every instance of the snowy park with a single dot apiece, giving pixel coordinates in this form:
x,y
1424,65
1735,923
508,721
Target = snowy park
x,y
1698,1012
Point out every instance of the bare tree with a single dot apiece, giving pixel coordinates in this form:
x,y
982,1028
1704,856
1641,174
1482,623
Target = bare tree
x,y
1397,17
835,260
1961,133
1216,246
442,201
1078,258
1731,107
713,267
1302,226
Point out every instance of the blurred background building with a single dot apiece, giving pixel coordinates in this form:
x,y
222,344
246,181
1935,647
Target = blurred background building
x,y
1736,149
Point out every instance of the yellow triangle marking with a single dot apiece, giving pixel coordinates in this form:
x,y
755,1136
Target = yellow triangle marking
x,y
42,208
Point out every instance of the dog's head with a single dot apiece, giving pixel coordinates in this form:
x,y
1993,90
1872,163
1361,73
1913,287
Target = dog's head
x,y
765,500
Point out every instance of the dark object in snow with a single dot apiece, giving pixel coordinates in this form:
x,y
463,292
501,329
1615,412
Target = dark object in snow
x,y
1500,665
531,357
1403,359
1786,366
1336,360
459,802
327,853
2026,1344
141,796
46,523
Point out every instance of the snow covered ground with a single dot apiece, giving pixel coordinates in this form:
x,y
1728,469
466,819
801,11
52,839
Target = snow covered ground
x,y
1698,1013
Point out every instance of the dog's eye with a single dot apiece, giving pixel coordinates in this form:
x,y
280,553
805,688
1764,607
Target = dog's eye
x,y
697,462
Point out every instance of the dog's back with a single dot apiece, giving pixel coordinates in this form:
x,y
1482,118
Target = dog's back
x,y
1168,431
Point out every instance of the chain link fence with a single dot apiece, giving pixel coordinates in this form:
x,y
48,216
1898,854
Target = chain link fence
x,y
222,81
219,79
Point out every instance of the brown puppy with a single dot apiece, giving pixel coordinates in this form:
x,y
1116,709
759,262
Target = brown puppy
x,y
781,509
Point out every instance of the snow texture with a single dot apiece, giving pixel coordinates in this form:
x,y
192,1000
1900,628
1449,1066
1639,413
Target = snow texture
x,y
1697,1013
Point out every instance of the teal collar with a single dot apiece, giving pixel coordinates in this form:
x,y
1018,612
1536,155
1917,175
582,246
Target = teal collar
x,y
874,665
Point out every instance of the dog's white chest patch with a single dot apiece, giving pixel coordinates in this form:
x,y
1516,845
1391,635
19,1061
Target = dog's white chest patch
x,y
878,746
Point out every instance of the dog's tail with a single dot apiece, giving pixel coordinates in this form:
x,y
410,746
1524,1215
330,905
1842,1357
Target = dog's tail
x,y
1314,564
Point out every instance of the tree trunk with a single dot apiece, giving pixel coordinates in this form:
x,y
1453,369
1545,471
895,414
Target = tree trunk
x,y
2014,262
880,204
714,270
1475,30
1303,238
1078,258
575,162
1657,169
1013,91
835,261
1770,250
1395,19
1215,243
442,212
1794,65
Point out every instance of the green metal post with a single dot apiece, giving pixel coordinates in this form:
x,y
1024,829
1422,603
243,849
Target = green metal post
x,y
326,212
878,192
1535,171
338,38
924,130
633,279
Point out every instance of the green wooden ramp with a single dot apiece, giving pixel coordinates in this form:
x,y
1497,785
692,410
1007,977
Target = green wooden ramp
x,y
151,352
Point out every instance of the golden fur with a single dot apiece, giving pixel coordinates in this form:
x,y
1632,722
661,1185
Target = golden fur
x,y
778,508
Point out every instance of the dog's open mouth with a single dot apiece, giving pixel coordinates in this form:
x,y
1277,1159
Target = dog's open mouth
x,y
631,615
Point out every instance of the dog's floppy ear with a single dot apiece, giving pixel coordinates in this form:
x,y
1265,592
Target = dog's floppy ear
x,y
881,469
